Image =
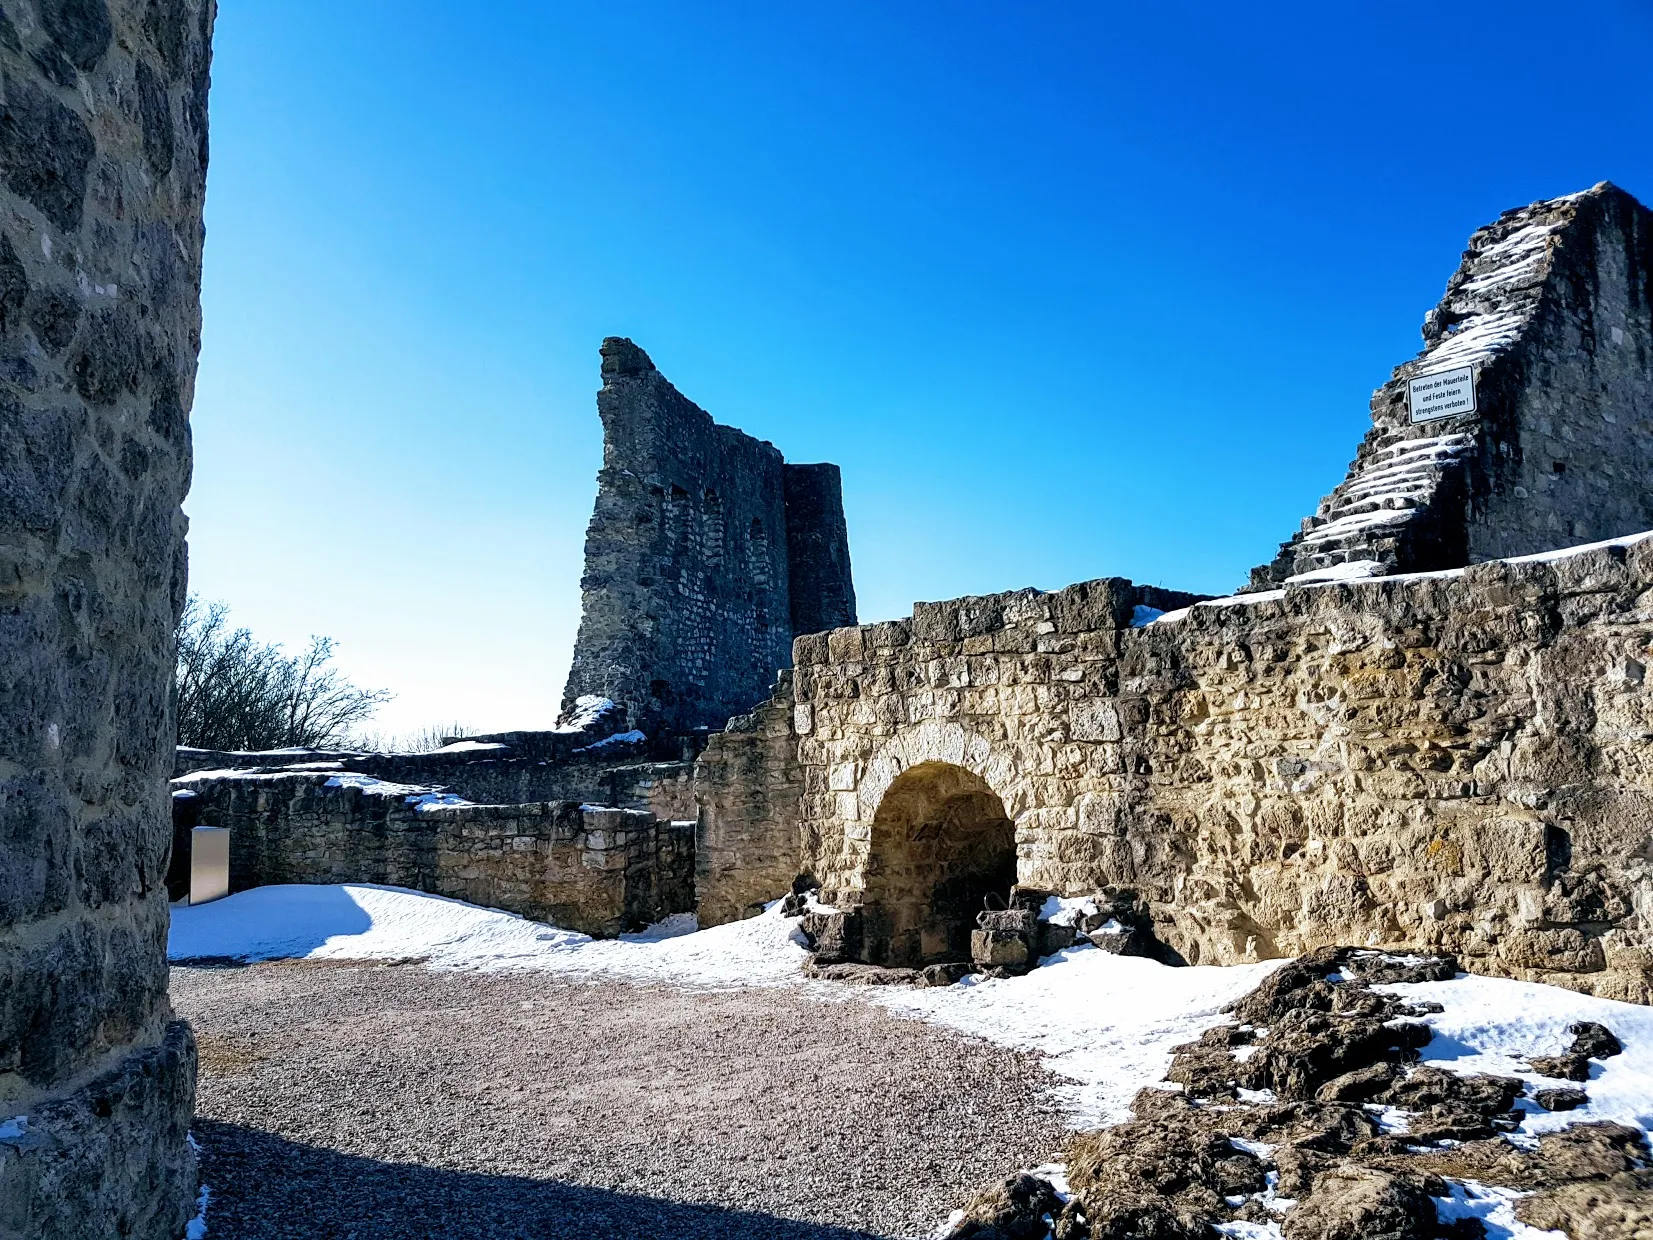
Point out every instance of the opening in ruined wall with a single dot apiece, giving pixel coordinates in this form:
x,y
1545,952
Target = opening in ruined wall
x,y
941,845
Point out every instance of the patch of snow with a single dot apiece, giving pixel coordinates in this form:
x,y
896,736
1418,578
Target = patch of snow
x,y
1257,1149
196,1229
1243,1053
14,1129
813,905
1389,1119
471,747
619,739
588,709
1495,1207
1549,557
1257,1097
1354,570
1056,1174
360,921
413,794
674,926
1143,615
234,773
1242,1230
1494,1025
1107,1023
1062,911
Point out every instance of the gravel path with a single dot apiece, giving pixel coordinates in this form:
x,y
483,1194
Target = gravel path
x,y
361,1100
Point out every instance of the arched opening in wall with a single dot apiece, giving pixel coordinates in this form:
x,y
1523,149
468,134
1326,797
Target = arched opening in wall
x,y
941,844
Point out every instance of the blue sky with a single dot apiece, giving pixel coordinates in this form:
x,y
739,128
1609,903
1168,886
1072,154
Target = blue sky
x,y
1068,290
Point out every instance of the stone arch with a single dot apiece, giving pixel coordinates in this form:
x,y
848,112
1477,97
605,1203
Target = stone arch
x,y
936,740
940,843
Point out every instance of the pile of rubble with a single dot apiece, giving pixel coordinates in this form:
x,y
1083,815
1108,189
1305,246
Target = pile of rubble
x,y
1008,940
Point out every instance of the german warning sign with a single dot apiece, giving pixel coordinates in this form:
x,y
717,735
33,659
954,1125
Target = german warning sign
x,y
1444,394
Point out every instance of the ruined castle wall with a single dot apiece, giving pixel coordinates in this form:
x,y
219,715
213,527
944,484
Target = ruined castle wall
x,y
1550,306
747,783
1573,438
1456,761
102,166
661,787
687,602
817,549
599,871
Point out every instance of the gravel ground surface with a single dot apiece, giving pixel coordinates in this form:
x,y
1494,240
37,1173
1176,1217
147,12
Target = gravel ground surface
x,y
372,1100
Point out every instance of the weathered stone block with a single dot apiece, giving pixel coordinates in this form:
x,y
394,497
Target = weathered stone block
x,y
1004,949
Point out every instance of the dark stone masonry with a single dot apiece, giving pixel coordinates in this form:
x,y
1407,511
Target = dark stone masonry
x,y
103,161
691,594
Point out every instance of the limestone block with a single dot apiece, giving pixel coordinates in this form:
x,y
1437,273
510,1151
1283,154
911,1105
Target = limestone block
x,y
999,948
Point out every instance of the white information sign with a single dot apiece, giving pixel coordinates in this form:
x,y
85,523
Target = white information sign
x,y
1444,394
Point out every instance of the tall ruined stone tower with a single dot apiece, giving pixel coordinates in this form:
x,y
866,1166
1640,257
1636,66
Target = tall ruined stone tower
x,y
1526,424
103,151
706,554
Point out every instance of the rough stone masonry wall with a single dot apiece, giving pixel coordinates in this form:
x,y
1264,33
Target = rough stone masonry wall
x,y
102,166
1552,305
689,592
747,847
1459,761
663,788
599,871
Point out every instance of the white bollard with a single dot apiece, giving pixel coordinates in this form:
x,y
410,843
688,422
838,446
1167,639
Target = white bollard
x,y
209,864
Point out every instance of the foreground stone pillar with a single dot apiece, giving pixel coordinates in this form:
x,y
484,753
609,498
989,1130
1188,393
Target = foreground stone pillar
x,y
103,151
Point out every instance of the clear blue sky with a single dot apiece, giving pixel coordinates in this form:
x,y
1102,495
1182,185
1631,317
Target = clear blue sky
x,y
1068,290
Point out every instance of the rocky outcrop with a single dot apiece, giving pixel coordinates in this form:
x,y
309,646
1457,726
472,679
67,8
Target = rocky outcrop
x,y
103,143
1287,1119
705,555
1552,310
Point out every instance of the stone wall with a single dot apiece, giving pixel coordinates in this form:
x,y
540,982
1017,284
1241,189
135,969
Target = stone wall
x,y
599,871
1457,760
663,788
819,581
688,605
746,785
1552,305
102,169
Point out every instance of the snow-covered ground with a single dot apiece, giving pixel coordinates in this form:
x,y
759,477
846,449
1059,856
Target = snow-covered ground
x,y
359,921
1494,1026
1104,1023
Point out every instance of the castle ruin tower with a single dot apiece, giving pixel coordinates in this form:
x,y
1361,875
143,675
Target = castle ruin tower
x,y
706,555
1526,423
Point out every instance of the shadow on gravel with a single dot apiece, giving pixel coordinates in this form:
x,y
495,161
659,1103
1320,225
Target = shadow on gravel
x,y
264,1187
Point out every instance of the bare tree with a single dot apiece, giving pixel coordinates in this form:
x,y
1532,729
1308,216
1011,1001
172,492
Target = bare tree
x,y
235,692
